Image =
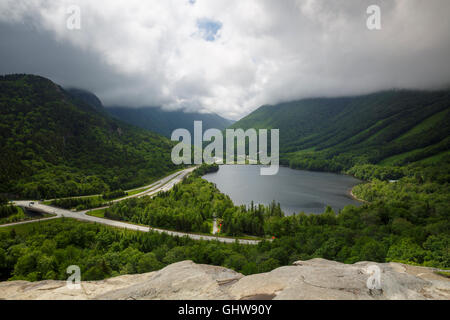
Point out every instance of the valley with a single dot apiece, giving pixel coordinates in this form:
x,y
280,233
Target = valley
x,y
163,185
222,150
165,122
121,207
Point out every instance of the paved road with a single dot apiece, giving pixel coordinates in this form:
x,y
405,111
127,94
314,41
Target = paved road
x,y
147,189
164,184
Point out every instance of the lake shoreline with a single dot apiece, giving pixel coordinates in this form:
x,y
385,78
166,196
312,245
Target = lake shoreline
x,y
350,191
355,197
296,190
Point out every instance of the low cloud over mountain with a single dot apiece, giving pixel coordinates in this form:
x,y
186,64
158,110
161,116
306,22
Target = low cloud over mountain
x,y
223,56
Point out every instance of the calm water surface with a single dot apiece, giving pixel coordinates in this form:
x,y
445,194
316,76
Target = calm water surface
x,y
295,190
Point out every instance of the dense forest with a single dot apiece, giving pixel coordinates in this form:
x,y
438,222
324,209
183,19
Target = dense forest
x,y
394,128
78,204
407,220
54,143
83,203
398,141
10,213
189,206
44,251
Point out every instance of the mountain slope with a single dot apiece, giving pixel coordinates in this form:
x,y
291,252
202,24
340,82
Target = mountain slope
x,y
86,97
165,122
54,144
407,125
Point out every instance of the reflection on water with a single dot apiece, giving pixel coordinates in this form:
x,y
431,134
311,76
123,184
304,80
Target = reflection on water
x,y
295,190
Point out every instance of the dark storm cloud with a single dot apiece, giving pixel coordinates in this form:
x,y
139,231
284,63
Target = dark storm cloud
x,y
227,56
24,49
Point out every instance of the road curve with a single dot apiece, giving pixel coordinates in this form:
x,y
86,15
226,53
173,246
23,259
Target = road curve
x,y
164,184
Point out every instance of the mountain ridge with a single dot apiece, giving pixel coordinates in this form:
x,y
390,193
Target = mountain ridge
x,y
54,144
363,129
86,97
165,122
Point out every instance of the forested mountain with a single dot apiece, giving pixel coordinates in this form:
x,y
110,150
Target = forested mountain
x,y
395,127
86,97
54,143
165,122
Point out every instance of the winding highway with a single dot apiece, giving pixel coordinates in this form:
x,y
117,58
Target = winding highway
x,y
164,184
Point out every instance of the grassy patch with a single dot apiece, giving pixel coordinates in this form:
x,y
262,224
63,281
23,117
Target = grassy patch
x,y
25,218
80,203
135,192
445,274
99,213
21,215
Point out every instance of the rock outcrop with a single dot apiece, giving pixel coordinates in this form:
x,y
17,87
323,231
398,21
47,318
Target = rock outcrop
x,y
313,279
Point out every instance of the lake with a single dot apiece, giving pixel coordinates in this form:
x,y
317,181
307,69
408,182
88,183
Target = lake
x,y
295,190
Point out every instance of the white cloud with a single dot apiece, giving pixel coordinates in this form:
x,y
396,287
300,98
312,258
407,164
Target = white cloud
x,y
266,51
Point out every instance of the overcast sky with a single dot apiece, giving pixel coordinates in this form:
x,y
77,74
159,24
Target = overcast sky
x,y
227,56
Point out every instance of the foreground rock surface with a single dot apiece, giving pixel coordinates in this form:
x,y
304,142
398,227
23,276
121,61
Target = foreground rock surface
x,y
313,279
